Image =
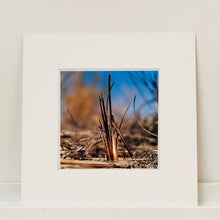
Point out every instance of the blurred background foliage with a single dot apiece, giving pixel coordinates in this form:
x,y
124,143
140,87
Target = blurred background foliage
x,y
80,102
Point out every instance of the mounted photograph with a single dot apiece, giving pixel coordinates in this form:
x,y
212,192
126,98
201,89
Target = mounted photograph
x,y
109,115
109,119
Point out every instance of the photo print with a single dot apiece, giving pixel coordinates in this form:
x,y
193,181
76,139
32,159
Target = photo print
x,y
109,119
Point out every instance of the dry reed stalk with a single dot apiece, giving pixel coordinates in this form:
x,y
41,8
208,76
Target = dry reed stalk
x,y
108,129
111,118
105,127
65,163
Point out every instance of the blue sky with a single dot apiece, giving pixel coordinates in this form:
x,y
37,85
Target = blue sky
x,y
127,84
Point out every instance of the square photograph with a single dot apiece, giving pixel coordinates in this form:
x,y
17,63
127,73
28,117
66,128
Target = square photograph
x,y
109,119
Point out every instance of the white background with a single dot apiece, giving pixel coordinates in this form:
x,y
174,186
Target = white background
x,y
200,16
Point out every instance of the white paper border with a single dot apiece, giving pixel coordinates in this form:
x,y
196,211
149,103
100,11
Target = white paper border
x,y
174,55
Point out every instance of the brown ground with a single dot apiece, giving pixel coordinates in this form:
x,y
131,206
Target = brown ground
x,y
85,149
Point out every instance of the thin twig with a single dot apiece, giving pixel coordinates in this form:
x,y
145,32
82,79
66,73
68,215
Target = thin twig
x,y
108,97
71,116
92,145
140,122
105,144
126,112
122,138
